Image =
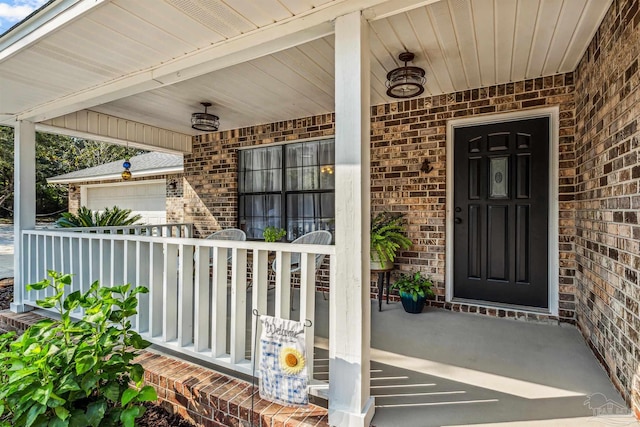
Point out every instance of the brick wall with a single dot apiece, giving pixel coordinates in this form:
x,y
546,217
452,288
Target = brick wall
x,y
403,134
174,200
211,170
607,199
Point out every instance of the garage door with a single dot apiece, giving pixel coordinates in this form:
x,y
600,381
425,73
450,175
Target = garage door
x,y
145,199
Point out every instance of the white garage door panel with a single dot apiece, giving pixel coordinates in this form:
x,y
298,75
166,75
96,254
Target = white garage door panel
x,y
147,200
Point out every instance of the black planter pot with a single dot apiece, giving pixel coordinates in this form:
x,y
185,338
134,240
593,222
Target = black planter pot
x,y
411,306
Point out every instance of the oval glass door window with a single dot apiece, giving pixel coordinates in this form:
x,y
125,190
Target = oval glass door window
x,y
499,175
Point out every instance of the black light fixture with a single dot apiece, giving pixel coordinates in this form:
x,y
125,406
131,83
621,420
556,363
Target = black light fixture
x,y
205,121
407,81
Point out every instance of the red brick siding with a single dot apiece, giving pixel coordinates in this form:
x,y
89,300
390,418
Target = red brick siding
x,y
607,200
211,169
403,134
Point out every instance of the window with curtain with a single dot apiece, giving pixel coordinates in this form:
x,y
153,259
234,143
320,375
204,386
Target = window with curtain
x,y
287,186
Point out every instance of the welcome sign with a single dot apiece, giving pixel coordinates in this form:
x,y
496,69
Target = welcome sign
x,y
283,377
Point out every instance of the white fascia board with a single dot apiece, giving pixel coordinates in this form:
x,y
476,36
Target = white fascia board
x,y
43,23
141,174
297,30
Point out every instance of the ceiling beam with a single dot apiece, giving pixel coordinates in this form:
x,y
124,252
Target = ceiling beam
x,y
311,25
388,9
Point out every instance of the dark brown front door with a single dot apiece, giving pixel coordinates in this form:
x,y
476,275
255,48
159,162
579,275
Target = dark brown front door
x,y
501,206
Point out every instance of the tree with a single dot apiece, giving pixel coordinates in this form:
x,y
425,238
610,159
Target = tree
x,y
55,155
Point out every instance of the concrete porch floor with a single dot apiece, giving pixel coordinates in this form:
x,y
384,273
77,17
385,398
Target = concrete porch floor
x,y
442,368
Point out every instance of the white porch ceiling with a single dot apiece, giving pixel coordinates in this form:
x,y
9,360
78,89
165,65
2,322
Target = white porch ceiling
x,y
462,44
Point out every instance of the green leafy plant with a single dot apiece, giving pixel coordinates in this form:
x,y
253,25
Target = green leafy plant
x,y
66,373
273,234
414,285
110,217
388,236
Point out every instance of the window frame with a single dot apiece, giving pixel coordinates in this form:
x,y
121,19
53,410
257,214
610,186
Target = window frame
x,y
283,193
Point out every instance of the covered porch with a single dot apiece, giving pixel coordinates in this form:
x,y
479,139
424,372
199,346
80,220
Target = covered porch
x,y
440,368
304,70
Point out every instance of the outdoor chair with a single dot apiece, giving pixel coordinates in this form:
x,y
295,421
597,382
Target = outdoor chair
x,y
227,234
320,237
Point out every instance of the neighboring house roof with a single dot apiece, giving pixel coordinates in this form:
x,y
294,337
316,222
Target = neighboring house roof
x,y
142,165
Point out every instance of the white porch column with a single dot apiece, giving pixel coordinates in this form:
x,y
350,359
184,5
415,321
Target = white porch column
x,y
350,304
24,202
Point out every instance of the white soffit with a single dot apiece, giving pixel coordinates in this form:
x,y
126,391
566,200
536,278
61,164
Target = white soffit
x,y
462,44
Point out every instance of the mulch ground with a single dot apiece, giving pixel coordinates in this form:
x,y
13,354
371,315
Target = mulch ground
x,y
155,416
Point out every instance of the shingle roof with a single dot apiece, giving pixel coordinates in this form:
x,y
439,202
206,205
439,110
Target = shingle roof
x,y
142,165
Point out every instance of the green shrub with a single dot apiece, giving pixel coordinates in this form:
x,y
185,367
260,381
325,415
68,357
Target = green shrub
x,y
75,373
110,217
273,234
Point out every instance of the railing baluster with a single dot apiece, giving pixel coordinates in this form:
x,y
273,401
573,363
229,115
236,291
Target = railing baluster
x,y
156,279
238,304
95,258
283,284
170,293
219,303
142,266
118,262
185,296
308,303
202,298
259,287
50,262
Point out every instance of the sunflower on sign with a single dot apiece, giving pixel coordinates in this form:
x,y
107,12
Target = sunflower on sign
x,y
291,360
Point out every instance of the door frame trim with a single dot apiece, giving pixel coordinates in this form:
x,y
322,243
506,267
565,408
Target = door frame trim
x,y
553,114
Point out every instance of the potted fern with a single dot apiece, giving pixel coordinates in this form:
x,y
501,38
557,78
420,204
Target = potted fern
x,y
414,290
387,239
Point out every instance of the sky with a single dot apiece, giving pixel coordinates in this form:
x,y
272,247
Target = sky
x,y
13,11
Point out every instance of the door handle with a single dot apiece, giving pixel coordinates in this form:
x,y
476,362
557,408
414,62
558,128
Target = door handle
x,y
458,220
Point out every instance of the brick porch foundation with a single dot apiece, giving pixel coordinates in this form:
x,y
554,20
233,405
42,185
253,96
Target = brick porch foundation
x,y
205,397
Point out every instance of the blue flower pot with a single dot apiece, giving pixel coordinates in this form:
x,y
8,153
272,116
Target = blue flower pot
x,y
411,306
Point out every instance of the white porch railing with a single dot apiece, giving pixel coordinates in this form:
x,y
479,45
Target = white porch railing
x,y
192,306
156,230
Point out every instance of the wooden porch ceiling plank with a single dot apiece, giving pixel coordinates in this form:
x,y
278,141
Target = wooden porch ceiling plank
x,y
594,12
167,18
150,36
505,13
311,67
526,16
547,23
308,26
262,12
465,37
294,79
43,24
442,22
216,15
439,78
568,21
483,20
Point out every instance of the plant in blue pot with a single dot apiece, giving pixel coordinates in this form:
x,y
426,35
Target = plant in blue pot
x,y
414,290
